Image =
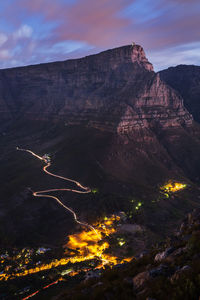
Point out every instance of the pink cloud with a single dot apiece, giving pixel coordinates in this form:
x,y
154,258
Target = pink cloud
x,y
99,22
4,54
95,22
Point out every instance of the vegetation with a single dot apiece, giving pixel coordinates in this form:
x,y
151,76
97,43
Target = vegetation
x,y
174,276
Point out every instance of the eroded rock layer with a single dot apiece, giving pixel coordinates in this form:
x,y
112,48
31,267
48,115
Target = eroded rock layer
x,y
186,80
115,90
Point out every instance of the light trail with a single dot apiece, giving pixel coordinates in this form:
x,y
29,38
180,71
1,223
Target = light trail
x,y
44,288
33,294
86,190
88,241
89,247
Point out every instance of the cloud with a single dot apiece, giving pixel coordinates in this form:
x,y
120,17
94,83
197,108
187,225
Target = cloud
x,y
161,24
98,23
155,24
4,54
45,30
24,31
188,54
16,48
3,38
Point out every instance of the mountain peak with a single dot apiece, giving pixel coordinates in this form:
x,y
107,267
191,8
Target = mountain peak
x,y
124,54
138,55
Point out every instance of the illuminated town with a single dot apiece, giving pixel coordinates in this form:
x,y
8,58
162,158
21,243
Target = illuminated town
x,y
89,250
89,245
86,246
172,187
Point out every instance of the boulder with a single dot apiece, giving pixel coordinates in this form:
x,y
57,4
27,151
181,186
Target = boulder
x,y
179,273
162,255
160,270
176,253
140,279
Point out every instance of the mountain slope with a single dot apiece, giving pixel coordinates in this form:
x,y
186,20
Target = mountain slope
x,y
186,80
108,121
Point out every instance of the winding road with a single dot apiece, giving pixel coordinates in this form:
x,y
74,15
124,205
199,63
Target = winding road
x,y
85,190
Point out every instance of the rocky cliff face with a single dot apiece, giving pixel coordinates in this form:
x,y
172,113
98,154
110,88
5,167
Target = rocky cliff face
x,y
115,90
146,137
186,80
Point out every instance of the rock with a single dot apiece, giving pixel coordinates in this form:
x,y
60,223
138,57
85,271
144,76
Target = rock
x,y
160,270
142,254
141,294
177,275
159,256
97,284
176,253
148,267
190,218
140,279
186,268
177,77
182,227
162,255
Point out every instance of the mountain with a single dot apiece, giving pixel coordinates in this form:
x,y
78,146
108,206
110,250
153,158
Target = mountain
x,y
115,90
107,120
186,80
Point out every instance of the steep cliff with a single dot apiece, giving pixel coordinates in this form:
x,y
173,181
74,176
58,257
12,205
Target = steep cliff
x,y
115,90
186,80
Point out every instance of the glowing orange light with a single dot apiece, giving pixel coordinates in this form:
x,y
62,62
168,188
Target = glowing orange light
x,y
173,187
89,244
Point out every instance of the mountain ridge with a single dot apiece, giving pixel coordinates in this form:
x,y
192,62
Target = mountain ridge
x,y
105,52
113,90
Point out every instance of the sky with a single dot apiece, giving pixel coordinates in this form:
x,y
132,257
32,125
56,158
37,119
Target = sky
x,y
38,31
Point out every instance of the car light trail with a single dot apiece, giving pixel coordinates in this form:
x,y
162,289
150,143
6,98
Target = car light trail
x,y
91,247
33,294
85,190
89,243
44,288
